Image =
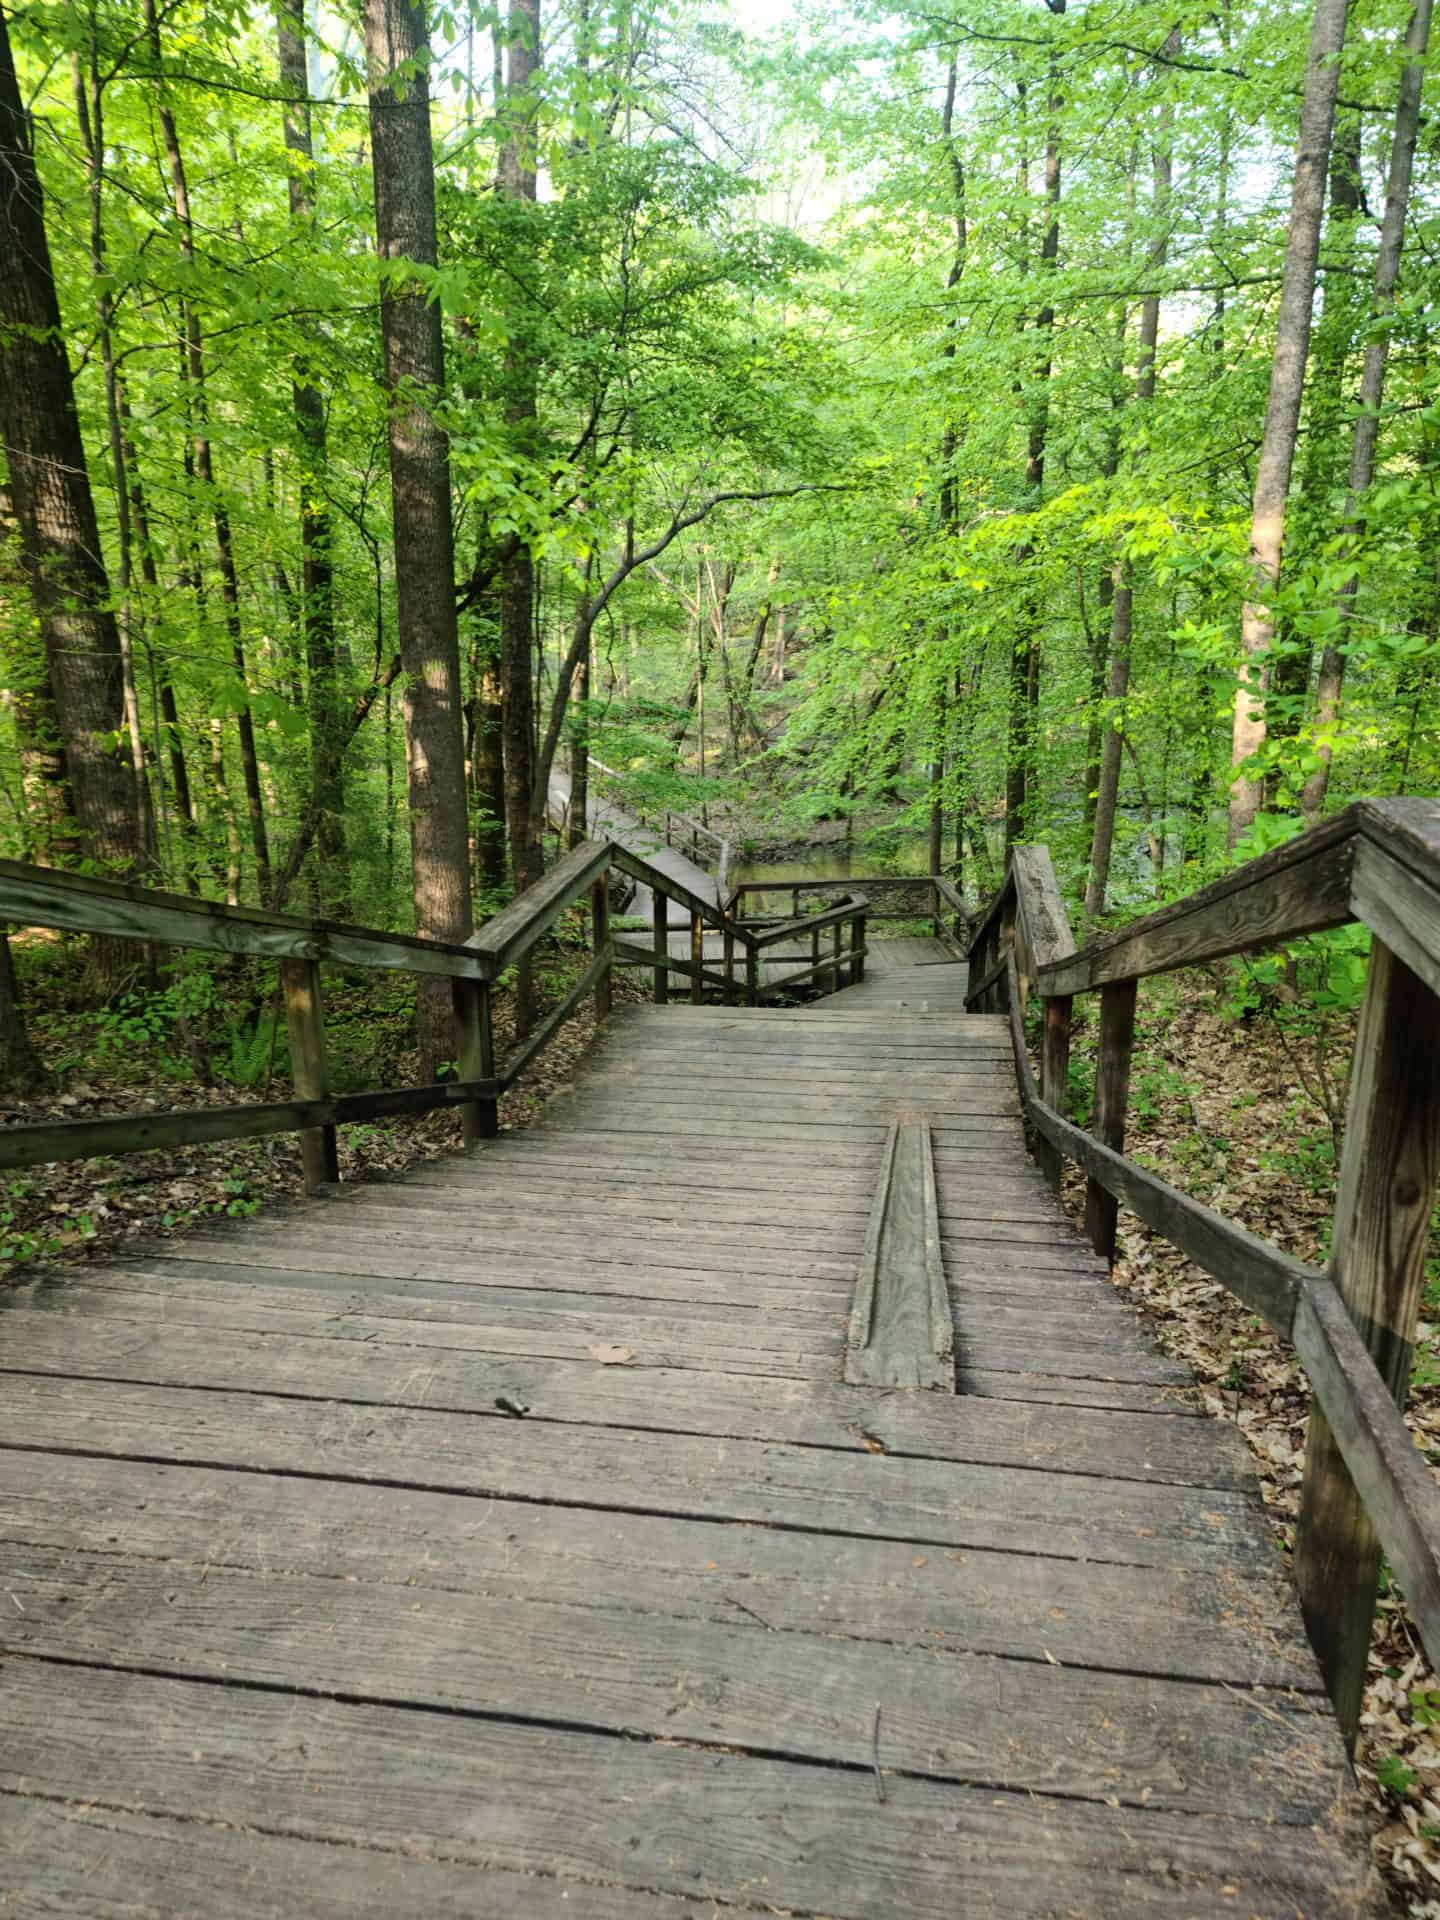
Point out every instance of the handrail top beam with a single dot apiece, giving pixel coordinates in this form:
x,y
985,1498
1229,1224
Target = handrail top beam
x,y
1323,878
36,896
514,930
849,908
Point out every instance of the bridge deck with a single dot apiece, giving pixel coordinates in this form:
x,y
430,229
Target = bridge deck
x,y
501,1541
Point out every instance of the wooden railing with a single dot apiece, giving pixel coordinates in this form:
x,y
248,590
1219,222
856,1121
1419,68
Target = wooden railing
x,y
753,939
45,897
699,842
893,897
1353,1326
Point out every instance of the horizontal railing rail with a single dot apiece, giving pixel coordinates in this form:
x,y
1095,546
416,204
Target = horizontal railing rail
x,y
1353,1325
941,902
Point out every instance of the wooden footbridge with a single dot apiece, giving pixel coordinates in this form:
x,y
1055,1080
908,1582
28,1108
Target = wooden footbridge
x,y
743,1492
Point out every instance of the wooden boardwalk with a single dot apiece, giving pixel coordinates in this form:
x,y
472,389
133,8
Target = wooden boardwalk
x,y
502,1540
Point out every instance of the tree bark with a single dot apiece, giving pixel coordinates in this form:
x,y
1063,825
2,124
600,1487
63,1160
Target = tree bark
x,y
1025,655
322,679
22,1070
516,182
397,54
1282,411
487,767
1323,466
1122,604
89,113
1366,432
55,513
204,466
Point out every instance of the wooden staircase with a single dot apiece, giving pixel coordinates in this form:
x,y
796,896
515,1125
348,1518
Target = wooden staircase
x,y
509,1538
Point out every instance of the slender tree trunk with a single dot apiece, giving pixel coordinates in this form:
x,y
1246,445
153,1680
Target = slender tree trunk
x,y
1322,468
323,695
1025,654
159,669
1122,606
22,1070
89,113
580,753
524,805
397,54
55,513
204,466
1366,432
949,446
1282,412
487,761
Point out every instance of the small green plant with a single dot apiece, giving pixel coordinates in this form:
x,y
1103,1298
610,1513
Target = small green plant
x,y
1394,1775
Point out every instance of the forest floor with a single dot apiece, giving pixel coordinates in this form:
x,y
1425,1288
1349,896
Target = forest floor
x,y
1244,1113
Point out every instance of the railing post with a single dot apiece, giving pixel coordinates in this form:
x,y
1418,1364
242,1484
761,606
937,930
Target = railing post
x,y
1112,1091
661,909
729,940
1054,1077
934,907
857,950
834,974
305,1020
1388,1173
697,959
479,1119
752,975
600,939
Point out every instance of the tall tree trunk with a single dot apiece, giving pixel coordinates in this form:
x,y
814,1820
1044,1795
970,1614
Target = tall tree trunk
x,y
89,113
397,54
1282,411
164,689
55,513
323,695
22,1070
1025,653
204,467
487,763
1366,431
949,447
580,752
1322,468
523,805
1122,605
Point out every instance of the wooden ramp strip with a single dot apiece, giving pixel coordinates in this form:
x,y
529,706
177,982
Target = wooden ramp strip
x,y
901,1334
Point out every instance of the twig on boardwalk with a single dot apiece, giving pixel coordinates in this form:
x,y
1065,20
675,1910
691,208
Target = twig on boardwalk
x,y
875,1758
751,1611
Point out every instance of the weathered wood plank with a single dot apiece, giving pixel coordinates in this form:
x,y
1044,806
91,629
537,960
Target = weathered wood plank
x,y
738,1344
305,1026
591,1807
977,1719
1157,1444
900,1333
33,896
92,1863
1180,1623
30,1146
1301,887
511,933
1065,1516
